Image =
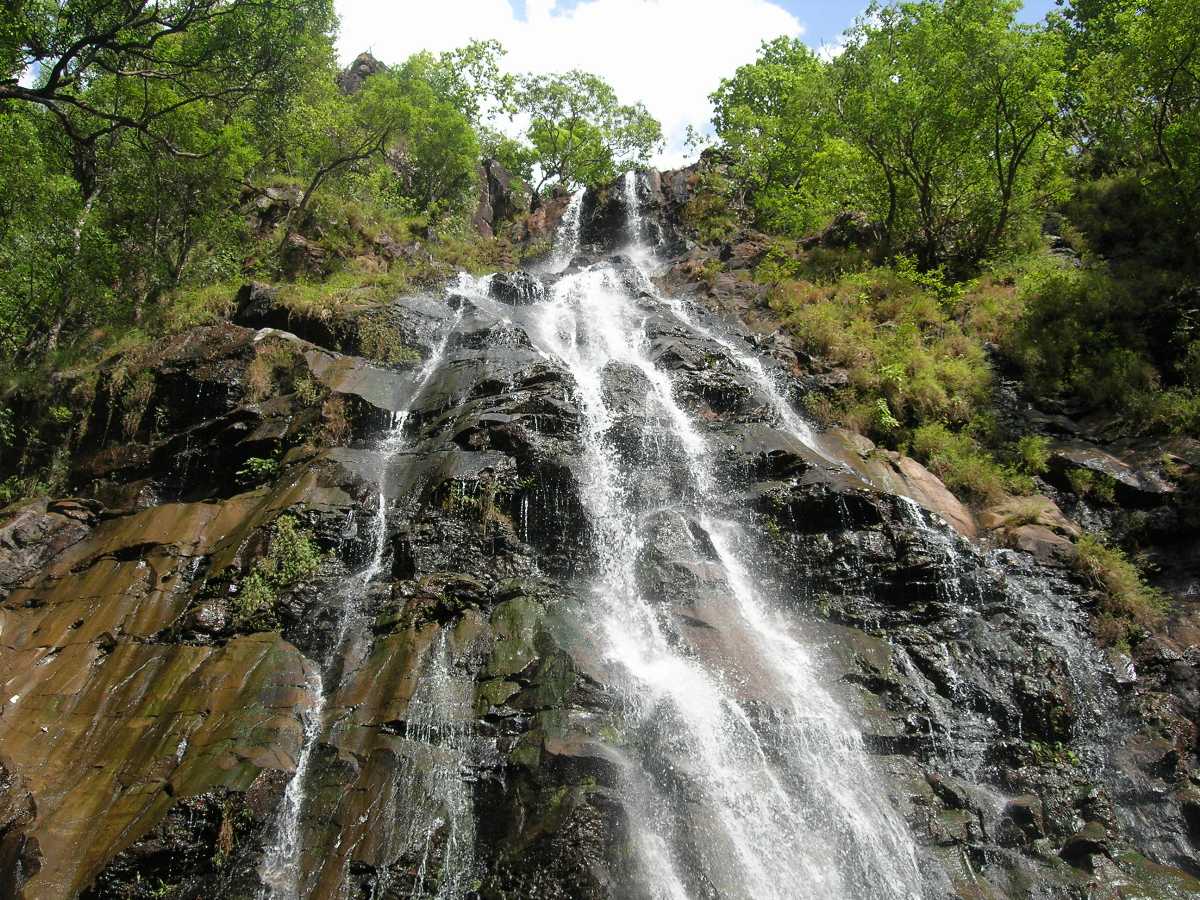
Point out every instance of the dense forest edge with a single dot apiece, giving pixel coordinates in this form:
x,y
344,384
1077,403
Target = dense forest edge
x,y
954,211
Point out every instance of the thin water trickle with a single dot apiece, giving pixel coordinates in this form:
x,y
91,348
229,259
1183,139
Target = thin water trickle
x,y
792,423
434,823
282,875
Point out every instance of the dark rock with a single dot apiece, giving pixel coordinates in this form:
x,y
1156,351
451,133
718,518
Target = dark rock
x,y
20,858
517,288
1133,485
1023,820
500,201
848,229
364,66
1085,844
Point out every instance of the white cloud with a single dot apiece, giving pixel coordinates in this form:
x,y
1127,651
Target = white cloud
x,y
669,54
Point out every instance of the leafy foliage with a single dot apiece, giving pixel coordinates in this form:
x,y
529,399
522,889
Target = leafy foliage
x,y
578,130
1129,606
937,119
292,557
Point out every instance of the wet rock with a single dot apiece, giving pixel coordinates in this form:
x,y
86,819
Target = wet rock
x,y
901,475
1082,847
1023,821
20,858
31,536
153,725
517,288
1133,485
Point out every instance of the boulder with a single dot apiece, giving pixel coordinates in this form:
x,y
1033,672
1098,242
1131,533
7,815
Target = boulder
x,y
365,65
517,288
1012,512
1134,485
499,198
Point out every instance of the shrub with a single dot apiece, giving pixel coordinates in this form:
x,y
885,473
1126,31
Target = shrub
x,y
1129,606
711,209
274,370
1033,454
292,557
894,332
1086,483
336,427
256,470
379,339
8,431
959,462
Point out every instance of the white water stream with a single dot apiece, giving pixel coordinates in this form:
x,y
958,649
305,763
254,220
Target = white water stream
x,y
785,807
744,776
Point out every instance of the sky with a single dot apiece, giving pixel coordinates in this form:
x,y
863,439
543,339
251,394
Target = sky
x,y
669,54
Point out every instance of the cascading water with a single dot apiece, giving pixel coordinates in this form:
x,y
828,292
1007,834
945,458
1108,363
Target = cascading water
x,y
743,776
436,803
641,254
567,240
746,804
282,874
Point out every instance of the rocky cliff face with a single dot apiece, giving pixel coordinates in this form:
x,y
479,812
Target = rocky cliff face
x,y
562,600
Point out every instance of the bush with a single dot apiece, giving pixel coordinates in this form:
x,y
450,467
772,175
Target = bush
x,y
1033,454
1086,483
277,368
711,210
292,557
959,461
1130,606
256,470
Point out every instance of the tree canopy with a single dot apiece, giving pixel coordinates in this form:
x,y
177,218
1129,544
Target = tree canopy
x,y
578,130
937,119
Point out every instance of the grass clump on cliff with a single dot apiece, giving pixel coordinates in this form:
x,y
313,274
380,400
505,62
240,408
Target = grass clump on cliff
x,y
1128,606
292,557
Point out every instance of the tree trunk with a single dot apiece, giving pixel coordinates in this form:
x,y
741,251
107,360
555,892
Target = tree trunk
x,y
64,305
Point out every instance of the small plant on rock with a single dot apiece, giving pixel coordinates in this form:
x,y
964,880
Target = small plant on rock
x,y
293,556
257,470
1033,454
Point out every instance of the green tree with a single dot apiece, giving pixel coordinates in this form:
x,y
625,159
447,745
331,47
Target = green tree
x,y
120,87
578,130
412,119
955,104
775,118
165,54
1136,93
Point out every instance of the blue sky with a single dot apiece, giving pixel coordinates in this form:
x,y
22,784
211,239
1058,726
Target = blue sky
x,y
668,54
825,21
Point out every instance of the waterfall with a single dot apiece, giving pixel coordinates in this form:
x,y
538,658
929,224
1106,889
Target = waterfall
x,y
282,874
746,804
742,776
566,241
792,423
438,804
633,210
